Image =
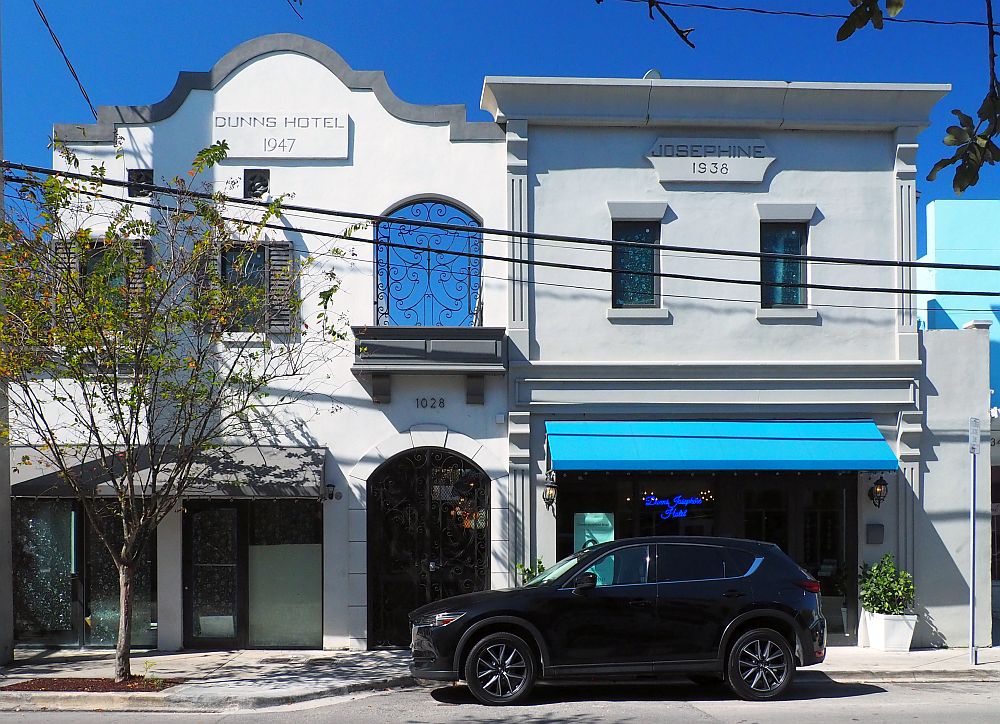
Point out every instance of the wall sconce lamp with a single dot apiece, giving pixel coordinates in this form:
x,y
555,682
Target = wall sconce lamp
x,y
878,491
330,491
550,490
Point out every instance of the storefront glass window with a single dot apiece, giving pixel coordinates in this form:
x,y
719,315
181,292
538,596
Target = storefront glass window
x,y
101,622
766,515
286,573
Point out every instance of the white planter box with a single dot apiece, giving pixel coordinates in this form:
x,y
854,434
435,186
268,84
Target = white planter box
x,y
890,633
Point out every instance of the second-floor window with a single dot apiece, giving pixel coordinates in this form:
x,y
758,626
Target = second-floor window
x,y
782,238
425,276
633,283
244,267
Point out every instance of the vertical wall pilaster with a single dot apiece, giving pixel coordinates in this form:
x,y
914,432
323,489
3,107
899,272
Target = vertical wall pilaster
x,y
518,341
169,581
521,502
909,489
905,213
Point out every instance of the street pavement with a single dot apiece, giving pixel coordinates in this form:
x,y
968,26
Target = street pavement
x,y
253,679
674,701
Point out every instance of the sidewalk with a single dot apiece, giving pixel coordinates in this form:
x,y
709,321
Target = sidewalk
x,y
227,680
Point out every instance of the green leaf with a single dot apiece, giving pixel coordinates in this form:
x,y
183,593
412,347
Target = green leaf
x,y
990,107
957,136
876,12
965,176
965,120
941,165
894,7
855,21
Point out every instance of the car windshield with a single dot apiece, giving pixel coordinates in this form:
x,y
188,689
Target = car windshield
x,y
551,574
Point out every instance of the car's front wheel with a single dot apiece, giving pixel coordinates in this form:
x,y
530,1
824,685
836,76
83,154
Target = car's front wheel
x,y
500,669
761,665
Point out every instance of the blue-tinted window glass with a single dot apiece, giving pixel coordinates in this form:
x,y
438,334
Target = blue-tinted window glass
x,y
783,239
629,289
428,277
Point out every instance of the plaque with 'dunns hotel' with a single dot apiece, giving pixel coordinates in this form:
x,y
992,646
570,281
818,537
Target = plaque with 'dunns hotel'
x,y
710,160
282,134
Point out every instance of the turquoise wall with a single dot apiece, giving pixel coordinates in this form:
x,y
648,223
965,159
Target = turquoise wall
x,y
963,232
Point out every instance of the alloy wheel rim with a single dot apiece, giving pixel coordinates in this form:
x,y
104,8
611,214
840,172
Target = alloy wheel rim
x,y
762,665
501,670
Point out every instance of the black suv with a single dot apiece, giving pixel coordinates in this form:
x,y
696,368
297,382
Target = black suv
x,y
715,609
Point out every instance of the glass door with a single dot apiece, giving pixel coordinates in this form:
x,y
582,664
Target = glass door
x,y
47,591
215,583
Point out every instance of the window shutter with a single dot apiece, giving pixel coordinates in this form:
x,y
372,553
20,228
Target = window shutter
x,y
136,285
280,289
65,261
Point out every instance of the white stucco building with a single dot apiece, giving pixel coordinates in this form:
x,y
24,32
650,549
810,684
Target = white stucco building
x,y
430,443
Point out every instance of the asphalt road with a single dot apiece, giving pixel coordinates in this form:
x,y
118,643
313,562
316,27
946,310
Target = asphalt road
x,y
954,703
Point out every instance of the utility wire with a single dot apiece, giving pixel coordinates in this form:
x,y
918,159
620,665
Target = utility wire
x,y
550,264
72,70
579,287
507,233
801,13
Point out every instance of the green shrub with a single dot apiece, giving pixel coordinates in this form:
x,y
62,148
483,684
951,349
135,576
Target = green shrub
x,y
884,588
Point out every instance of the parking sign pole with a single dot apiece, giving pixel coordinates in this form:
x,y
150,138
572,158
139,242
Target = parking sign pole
x,y
974,434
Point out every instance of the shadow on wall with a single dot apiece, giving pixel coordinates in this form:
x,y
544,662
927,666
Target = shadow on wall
x,y
927,632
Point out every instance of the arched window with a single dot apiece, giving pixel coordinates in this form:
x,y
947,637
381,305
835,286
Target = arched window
x,y
425,276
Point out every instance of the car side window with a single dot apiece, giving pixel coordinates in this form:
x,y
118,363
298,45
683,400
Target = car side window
x,y
623,567
681,562
738,562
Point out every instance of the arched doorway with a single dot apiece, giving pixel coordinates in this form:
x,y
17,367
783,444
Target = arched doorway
x,y
428,537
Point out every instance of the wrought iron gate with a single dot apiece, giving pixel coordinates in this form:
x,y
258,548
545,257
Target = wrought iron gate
x,y
428,537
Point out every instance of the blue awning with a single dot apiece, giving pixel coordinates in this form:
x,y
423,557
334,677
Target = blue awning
x,y
719,445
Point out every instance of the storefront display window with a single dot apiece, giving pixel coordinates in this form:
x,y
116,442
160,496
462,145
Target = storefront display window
x,y
66,585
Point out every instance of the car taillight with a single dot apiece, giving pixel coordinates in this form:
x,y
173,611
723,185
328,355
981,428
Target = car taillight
x,y
809,585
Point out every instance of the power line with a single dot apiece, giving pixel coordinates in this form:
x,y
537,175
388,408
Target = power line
x,y
558,265
533,235
581,287
72,70
802,13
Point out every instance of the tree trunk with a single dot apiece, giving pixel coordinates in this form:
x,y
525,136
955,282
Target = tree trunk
x,y
123,646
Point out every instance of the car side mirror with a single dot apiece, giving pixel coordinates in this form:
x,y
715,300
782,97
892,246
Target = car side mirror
x,y
585,581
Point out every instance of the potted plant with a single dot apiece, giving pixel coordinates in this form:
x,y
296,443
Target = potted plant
x,y
886,595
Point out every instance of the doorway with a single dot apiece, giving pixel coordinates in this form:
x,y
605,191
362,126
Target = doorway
x,y
252,574
428,532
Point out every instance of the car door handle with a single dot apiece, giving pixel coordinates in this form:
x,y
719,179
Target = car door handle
x,y
733,594
640,603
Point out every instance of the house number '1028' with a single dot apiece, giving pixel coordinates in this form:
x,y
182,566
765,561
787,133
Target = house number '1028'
x,y
430,402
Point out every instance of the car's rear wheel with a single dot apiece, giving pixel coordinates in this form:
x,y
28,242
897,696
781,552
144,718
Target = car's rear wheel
x,y
500,669
760,665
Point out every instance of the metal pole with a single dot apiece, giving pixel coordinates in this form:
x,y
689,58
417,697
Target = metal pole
x,y
972,565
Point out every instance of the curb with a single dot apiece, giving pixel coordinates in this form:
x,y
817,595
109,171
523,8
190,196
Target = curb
x,y
193,702
929,676
205,703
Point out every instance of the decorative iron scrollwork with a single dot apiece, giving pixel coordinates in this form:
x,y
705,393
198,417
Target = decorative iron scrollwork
x,y
428,533
428,277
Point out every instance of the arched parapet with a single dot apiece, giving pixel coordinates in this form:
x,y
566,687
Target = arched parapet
x,y
109,117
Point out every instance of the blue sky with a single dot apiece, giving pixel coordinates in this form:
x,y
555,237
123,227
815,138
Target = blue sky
x,y
437,51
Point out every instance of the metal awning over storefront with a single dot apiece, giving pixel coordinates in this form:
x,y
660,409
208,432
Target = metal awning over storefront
x,y
224,472
718,445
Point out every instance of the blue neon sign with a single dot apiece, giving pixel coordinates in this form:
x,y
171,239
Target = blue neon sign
x,y
676,507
